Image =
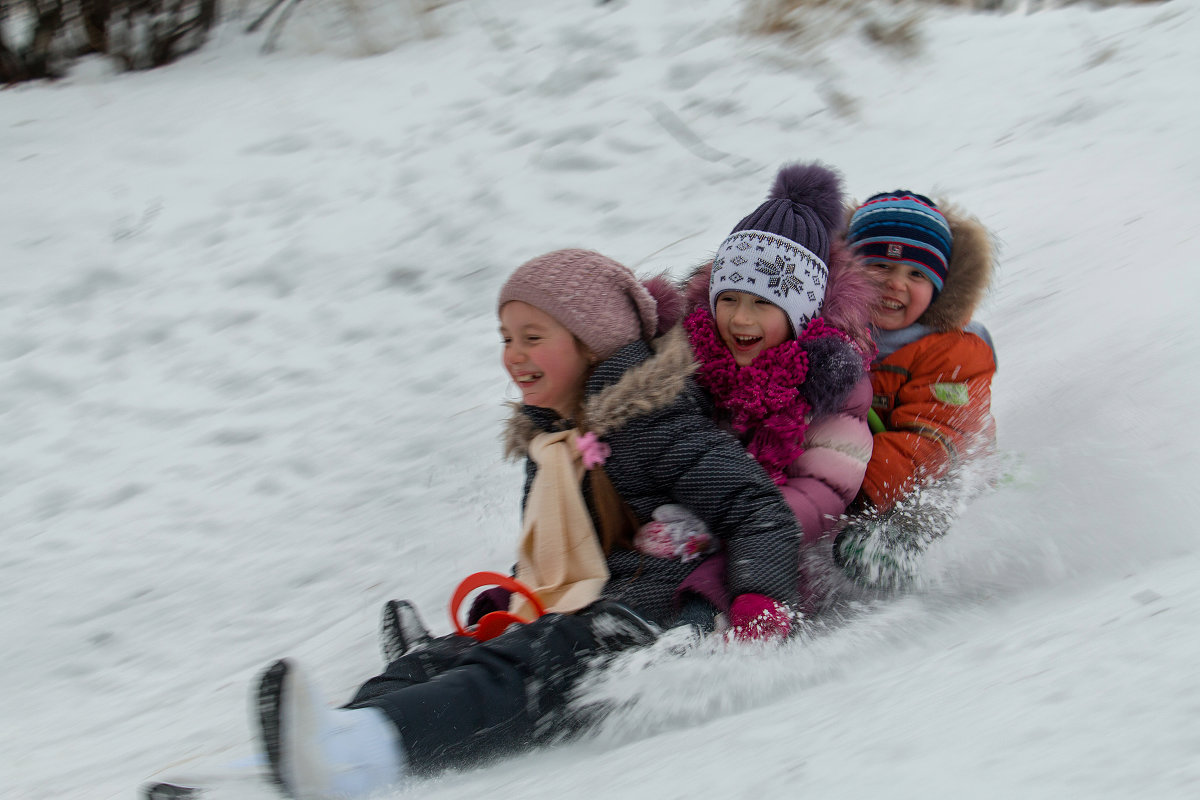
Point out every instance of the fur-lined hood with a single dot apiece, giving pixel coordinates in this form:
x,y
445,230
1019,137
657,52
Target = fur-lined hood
x,y
849,294
637,380
968,275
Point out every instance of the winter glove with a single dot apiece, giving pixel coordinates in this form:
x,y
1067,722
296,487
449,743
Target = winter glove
x,y
487,601
884,551
758,618
866,557
674,532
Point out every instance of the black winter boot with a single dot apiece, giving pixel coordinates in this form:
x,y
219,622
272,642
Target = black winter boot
x,y
400,630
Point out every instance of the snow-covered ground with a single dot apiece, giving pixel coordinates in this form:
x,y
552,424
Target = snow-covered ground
x,y
249,385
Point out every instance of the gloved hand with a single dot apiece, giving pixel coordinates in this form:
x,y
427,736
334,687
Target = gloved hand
x,y
758,618
884,551
674,532
867,558
487,601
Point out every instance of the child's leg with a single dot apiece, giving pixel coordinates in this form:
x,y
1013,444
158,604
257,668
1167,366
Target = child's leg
x,y
418,665
508,693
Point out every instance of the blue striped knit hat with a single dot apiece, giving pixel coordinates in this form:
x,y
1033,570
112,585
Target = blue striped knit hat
x,y
905,227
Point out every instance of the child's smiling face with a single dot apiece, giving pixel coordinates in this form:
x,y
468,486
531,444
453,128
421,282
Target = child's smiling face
x,y
748,325
544,359
907,292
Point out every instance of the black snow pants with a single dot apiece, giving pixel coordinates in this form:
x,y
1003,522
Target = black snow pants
x,y
457,702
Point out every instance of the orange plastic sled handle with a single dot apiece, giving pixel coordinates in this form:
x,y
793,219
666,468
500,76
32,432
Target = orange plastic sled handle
x,y
491,625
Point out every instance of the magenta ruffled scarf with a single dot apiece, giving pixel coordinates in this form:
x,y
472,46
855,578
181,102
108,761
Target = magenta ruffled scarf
x,y
762,398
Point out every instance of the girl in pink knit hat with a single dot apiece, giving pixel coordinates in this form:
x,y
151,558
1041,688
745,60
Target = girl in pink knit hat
x,y
612,428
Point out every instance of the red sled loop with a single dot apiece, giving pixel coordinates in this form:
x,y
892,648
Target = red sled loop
x,y
493,624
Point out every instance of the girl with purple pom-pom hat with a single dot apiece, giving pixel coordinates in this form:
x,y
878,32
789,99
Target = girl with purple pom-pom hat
x,y
780,324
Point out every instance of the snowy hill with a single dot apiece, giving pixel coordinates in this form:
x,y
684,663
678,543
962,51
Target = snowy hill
x,y
250,385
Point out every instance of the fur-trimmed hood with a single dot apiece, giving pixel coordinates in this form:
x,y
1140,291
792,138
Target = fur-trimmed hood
x,y
849,294
638,379
968,275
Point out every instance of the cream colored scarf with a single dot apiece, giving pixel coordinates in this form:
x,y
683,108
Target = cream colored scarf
x,y
560,557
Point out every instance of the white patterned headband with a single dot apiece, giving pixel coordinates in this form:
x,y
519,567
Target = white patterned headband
x,y
774,268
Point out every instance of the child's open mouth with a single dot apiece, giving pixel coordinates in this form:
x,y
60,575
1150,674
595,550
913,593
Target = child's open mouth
x,y
528,377
746,342
891,305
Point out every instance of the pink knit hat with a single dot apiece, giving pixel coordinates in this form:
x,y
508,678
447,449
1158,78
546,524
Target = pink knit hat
x,y
592,296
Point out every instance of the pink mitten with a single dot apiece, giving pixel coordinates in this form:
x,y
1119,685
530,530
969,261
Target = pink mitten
x,y
758,618
674,532
654,539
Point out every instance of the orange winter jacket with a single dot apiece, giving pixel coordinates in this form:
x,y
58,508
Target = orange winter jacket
x,y
933,396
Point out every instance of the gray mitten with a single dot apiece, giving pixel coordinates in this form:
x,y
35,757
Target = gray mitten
x,y
884,551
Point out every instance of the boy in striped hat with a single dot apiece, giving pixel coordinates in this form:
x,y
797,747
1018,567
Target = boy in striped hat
x,y
931,379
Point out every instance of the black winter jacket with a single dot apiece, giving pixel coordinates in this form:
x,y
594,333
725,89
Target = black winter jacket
x,y
666,449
